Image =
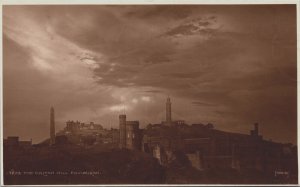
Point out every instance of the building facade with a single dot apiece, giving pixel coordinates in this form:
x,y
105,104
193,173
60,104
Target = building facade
x,y
130,136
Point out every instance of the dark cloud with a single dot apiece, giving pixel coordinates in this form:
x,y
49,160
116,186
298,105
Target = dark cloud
x,y
196,26
159,12
229,65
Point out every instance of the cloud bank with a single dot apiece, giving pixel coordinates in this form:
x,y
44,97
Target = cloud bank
x,y
228,65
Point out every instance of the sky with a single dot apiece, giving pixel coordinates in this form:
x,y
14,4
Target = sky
x,y
229,65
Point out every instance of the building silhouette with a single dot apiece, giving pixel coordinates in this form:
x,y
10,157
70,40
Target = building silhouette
x,y
168,112
77,127
52,127
203,146
129,133
206,147
122,127
14,142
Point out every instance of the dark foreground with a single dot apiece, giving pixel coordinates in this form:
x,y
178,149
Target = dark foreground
x,y
70,164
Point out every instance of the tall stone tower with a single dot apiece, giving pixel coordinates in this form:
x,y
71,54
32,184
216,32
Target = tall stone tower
x,y
52,126
168,112
122,124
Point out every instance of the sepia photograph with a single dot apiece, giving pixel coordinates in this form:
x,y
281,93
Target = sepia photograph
x,y
149,94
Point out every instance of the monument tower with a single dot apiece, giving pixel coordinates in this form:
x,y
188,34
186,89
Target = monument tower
x,y
168,112
52,126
